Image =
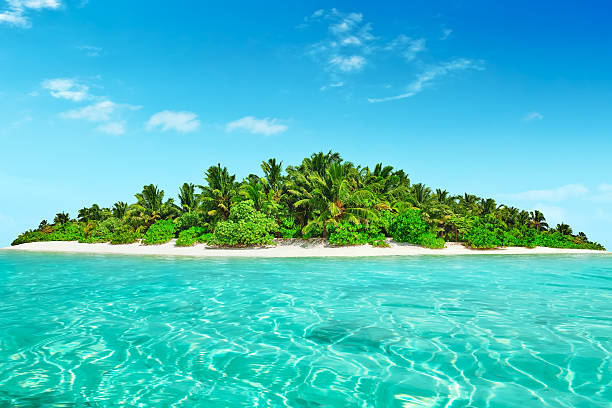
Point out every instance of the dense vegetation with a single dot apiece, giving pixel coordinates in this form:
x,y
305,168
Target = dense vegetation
x,y
324,196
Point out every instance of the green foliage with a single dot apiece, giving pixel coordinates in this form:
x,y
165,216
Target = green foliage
x,y
430,240
188,220
245,227
159,233
204,238
408,226
190,236
288,228
124,235
69,231
347,233
321,196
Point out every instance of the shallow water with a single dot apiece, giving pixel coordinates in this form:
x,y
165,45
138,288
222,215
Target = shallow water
x,y
469,331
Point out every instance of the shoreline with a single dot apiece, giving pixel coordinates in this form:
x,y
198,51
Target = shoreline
x,y
284,249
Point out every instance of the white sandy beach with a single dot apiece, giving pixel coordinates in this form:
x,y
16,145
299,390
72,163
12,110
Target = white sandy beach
x,y
283,249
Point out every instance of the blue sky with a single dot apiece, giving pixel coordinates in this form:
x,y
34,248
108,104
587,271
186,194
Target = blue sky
x,y
98,98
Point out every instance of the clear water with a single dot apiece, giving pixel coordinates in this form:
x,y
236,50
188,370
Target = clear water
x,y
470,331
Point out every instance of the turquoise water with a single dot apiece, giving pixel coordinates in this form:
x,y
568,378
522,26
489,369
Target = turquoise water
x,y
470,331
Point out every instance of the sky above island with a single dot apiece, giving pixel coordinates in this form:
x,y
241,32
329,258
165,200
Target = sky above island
x,y
98,98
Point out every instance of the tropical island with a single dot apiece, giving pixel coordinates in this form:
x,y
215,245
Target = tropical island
x,y
324,200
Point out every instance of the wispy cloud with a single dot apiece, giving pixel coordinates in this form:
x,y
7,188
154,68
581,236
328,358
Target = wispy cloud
x,y
349,46
530,117
556,194
66,88
113,128
406,46
17,11
347,64
333,85
426,77
251,124
98,112
91,50
168,120
347,43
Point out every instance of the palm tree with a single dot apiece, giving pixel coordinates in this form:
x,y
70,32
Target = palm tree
x,y
420,195
187,197
468,202
43,225
151,198
487,206
273,174
220,191
334,197
564,229
61,218
151,206
120,209
538,221
442,196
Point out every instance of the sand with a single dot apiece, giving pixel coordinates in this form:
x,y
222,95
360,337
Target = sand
x,y
294,248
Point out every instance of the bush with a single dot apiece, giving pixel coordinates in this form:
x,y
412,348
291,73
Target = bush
x,y
288,228
125,235
408,226
204,238
70,231
187,220
356,234
430,240
190,236
245,227
159,233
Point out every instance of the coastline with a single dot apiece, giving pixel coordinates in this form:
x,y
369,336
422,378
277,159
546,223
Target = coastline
x,y
283,249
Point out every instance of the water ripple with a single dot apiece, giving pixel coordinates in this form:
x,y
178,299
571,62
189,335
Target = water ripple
x,y
421,332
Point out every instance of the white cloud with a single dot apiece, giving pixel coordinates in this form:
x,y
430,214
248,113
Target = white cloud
x,y
91,50
113,128
168,120
41,4
605,187
98,112
66,88
347,64
347,43
446,33
433,72
17,12
406,46
251,124
346,23
334,85
533,116
556,194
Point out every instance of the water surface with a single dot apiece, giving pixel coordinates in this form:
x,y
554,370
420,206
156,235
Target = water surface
x,y
466,331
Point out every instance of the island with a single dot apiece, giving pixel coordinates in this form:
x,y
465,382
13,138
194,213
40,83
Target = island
x,y
323,203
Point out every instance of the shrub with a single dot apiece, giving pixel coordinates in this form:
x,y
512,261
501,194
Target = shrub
x,y
356,234
288,228
187,220
204,238
159,233
430,240
190,236
408,226
245,227
70,231
124,235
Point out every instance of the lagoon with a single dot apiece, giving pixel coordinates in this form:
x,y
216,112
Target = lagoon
x,y
421,331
